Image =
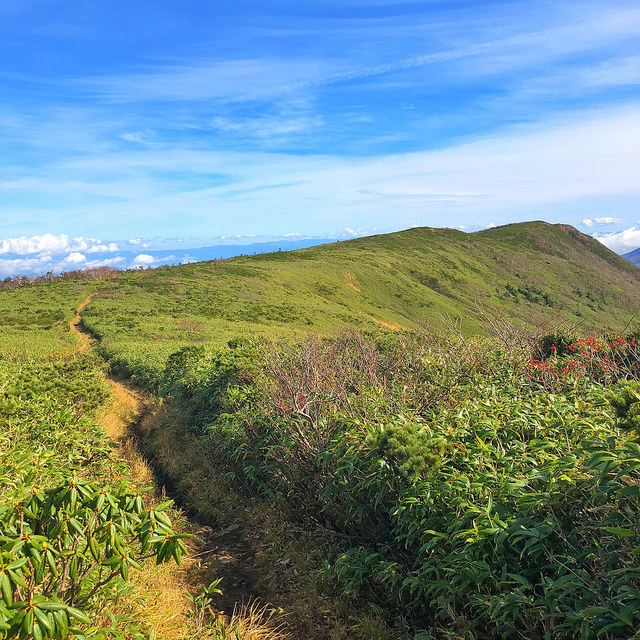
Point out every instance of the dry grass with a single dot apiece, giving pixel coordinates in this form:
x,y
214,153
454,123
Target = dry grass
x,y
352,282
85,340
394,326
160,595
253,622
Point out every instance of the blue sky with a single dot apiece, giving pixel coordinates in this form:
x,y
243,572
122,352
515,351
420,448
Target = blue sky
x,y
164,123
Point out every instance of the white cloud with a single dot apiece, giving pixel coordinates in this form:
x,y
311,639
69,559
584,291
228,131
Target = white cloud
x,y
134,136
35,244
44,262
194,80
608,220
143,258
75,258
587,222
112,247
259,77
621,241
55,245
508,175
620,71
272,128
22,266
491,225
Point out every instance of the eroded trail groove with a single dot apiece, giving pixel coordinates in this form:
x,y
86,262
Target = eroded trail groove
x,y
75,326
128,418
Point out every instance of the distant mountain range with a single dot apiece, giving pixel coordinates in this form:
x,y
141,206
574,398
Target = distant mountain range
x,y
215,252
633,256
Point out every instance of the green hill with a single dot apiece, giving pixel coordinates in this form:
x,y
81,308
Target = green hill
x,y
530,273
387,485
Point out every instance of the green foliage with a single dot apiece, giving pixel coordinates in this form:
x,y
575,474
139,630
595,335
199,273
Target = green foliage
x,y
59,546
494,507
200,380
625,399
531,292
412,279
67,538
464,490
34,319
408,449
46,412
555,344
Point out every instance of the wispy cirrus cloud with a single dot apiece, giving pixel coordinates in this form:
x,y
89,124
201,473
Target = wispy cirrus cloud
x,y
253,78
520,172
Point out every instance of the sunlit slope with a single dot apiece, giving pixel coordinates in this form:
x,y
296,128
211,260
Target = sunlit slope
x,y
34,320
535,273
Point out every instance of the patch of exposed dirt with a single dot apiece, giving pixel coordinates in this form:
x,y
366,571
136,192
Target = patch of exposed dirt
x,y
390,325
352,282
75,326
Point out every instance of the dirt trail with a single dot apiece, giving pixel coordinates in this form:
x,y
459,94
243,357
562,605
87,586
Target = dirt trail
x,y
126,418
164,588
75,323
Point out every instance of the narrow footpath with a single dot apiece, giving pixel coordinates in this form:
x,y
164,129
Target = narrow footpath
x,y
169,591
164,588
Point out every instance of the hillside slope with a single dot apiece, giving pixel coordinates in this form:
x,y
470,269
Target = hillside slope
x,y
478,449
531,273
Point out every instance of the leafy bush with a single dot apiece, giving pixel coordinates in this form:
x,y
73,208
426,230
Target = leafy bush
x,y
555,344
69,533
466,494
625,399
59,546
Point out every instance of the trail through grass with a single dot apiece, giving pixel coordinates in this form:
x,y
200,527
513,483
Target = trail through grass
x,y
166,597
74,326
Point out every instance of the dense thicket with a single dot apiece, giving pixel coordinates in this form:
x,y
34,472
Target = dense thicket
x,y
474,492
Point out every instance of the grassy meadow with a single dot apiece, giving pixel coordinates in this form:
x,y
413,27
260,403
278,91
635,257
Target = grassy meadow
x,y
422,435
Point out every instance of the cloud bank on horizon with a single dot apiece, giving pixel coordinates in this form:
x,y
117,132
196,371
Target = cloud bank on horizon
x,y
193,120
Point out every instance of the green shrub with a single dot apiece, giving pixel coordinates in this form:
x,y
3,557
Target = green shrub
x,y
461,494
67,538
625,399
560,339
60,546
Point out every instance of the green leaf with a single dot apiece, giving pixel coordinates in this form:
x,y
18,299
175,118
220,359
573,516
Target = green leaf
x,y
620,531
78,615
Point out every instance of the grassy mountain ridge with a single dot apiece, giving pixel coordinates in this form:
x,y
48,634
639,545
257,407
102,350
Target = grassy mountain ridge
x,y
531,273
